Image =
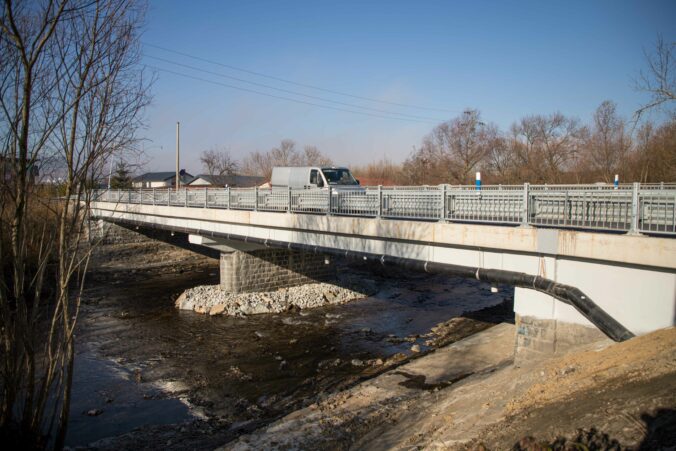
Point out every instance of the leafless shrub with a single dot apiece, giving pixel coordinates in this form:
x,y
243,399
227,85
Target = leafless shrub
x,y
70,96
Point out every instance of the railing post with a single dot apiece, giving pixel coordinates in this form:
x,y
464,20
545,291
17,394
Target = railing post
x,y
288,208
119,196
380,201
168,196
227,192
635,213
153,196
443,202
524,205
256,198
330,191
206,196
185,195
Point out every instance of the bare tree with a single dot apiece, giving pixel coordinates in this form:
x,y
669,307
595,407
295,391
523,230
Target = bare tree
x,y
659,82
465,141
500,161
608,144
425,165
258,163
313,157
453,150
261,163
286,154
545,147
70,94
523,146
559,138
654,159
218,162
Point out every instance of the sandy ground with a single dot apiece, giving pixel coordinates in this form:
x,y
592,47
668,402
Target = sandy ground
x,y
469,395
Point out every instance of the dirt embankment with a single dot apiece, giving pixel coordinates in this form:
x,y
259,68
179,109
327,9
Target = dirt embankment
x,y
147,257
469,396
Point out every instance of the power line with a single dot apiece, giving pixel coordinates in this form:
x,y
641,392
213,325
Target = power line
x,y
263,85
286,98
304,85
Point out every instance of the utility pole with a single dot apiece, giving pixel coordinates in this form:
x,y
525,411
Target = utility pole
x,y
178,161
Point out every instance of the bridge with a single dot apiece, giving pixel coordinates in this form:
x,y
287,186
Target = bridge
x,y
582,258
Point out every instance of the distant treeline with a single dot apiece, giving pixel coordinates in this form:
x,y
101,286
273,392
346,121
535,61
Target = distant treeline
x,y
550,148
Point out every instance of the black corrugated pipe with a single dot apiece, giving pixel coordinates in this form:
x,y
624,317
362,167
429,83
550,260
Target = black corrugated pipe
x,y
564,293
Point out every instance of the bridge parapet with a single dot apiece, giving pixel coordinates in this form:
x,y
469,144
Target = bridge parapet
x,y
634,208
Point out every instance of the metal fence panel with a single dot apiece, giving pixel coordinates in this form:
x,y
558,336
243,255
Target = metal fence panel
x,y
492,206
355,202
595,209
657,211
309,200
648,208
411,203
273,199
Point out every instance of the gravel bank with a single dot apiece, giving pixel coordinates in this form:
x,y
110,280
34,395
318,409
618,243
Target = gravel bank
x,y
210,299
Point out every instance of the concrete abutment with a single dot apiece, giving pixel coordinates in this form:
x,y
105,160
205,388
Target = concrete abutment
x,y
271,269
538,339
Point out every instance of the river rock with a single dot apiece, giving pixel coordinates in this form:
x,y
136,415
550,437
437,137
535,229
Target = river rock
x,y
214,301
217,309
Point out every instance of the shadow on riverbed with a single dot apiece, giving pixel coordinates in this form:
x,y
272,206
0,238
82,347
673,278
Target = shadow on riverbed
x,y
243,372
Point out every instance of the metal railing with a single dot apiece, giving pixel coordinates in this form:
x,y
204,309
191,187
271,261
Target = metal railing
x,y
633,208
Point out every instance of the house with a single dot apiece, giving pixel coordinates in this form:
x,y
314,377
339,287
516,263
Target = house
x,y
160,179
232,181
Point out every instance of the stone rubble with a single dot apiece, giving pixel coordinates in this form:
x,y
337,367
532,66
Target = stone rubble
x,y
212,300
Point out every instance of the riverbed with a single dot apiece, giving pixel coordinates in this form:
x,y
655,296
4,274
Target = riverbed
x,y
148,375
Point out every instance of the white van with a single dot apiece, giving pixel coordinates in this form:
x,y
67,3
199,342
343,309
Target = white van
x,y
308,177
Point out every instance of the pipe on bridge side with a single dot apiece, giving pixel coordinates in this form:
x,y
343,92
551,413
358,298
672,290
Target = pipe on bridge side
x,y
565,293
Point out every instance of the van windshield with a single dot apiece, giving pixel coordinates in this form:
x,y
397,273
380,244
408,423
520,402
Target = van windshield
x,y
339,176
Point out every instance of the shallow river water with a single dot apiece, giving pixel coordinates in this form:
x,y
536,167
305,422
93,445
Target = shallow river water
x,y
142,363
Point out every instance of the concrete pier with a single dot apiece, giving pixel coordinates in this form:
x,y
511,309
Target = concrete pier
x,y
270,269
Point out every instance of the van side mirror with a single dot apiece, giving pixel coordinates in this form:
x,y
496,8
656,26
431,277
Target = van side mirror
x,y
320,183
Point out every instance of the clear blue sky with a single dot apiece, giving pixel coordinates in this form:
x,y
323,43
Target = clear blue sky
x,y
506,58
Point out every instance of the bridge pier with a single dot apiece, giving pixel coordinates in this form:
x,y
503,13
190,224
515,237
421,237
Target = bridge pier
x,y
247,267
270,269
